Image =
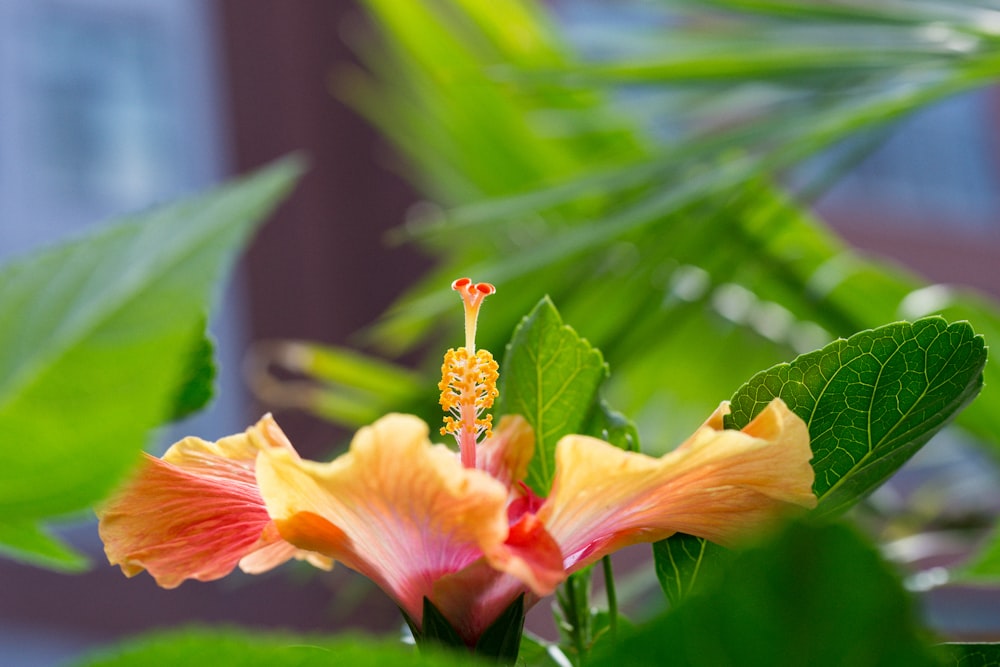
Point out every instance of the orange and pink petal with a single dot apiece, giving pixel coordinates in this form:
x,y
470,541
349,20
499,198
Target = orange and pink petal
x,y
505,455
197,513
718,485
403,512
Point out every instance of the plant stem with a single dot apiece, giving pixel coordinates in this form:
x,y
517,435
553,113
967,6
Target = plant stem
x,y
574,607
575,620
609,589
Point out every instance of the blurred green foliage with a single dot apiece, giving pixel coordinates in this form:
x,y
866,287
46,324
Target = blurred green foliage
x,y
200,647
811,595
103,341
638,183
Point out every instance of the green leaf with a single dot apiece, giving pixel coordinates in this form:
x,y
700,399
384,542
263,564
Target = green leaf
x,y
349,367
871,401
541,185
817,595
612,426
679,561
26,541
99,339
502,639
973,655
257,649
573,615
199,375
775,63
550,376
536,652
338,384
984,567
437,629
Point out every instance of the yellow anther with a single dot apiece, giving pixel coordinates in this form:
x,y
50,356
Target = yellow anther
x,y
469,379
468,387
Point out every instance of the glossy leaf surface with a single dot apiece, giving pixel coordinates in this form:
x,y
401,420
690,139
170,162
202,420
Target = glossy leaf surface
x,y
870,402
550,376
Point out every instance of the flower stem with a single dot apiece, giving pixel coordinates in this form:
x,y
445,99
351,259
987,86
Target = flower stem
x,y
574,605
609,589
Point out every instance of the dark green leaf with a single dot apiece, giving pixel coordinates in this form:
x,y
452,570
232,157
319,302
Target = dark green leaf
x,y
612,426
502,639
973,655
257,649
816,595
573,614
199,376
412,625
550,376
871,401
679,562
97,341
437,629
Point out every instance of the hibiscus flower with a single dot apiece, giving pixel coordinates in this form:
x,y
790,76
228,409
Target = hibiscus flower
x,y
458,529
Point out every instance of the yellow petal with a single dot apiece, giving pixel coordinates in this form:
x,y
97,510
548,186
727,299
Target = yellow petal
x,y
272,550
397,509
718,485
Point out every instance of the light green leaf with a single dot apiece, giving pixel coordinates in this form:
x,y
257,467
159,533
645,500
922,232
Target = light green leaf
x,y
27,542
550,376
231,647
338,384
103,336
790,601
726,64
984,567
871,401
